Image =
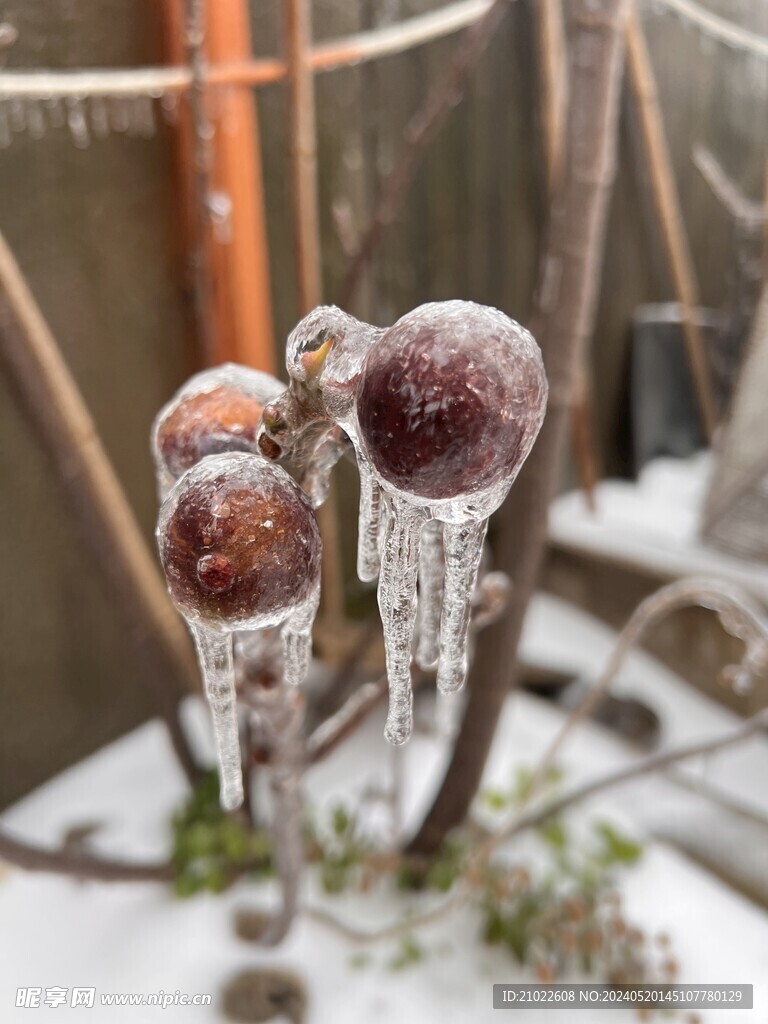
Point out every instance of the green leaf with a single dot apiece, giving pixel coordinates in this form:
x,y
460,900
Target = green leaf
x,y
410,953
616,848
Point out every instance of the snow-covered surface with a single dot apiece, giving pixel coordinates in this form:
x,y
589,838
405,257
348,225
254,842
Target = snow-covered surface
x,y
138,938
652,524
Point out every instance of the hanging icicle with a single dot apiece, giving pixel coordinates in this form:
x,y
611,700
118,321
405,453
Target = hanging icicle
x,y
442,409
241,550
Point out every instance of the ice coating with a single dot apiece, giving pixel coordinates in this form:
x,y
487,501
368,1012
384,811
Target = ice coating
x,y
449,402
397,604
442,409
324,356
217,410
430,604
463,547
241,550
214,653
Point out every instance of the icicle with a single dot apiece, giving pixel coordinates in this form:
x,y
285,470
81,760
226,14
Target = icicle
x,y
35,119
78,125
368,560
99,117
463,548
5,128
119,113
317,477
397,603
214,652
140,117
57,117
169,105
431,573
18,115
297,640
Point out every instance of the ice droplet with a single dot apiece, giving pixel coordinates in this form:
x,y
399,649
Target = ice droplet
x,y
99,117
214,652
35,119
169,106
78,125
57,116
18,115
397,603
431,575
463,545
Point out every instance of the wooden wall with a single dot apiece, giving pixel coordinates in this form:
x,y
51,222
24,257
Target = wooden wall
x,y
93,229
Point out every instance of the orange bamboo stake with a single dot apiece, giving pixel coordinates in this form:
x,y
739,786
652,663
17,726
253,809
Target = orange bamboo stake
x,y
242,303
236,301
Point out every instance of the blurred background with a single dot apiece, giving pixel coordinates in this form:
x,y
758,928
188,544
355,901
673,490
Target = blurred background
x,y
97,202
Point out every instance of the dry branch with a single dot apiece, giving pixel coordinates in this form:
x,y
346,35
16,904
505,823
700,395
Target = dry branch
x,y
563,326
58,413
79,865
745,211
419,133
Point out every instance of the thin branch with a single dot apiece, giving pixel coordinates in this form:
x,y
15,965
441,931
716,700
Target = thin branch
x,y
420,131
58,412
349,50
535,818
31,857
337,728
757,723
745,211
738,614
719,28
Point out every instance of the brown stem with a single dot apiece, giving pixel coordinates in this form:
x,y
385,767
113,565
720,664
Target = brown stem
x,y
79,865
419,133
58,413
563,325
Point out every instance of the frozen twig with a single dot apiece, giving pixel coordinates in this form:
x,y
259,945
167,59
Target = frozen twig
x,y
746,212
31,857
419,133
533,819
739,615
718,28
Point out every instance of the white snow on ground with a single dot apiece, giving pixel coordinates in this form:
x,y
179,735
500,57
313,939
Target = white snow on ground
x,y
138,938
652,524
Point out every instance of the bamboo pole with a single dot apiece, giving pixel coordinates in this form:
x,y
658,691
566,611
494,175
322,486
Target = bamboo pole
x,y
667,202
59,414
306,233
553,76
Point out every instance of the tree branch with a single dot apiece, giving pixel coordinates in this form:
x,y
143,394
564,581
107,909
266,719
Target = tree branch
x,y
420,131
562,324
79,865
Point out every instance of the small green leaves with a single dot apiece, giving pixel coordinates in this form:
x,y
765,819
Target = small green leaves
x,y
410,952
616,849
211,848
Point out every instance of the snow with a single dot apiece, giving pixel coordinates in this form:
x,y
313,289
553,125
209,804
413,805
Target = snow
x,y
652,524
139,938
